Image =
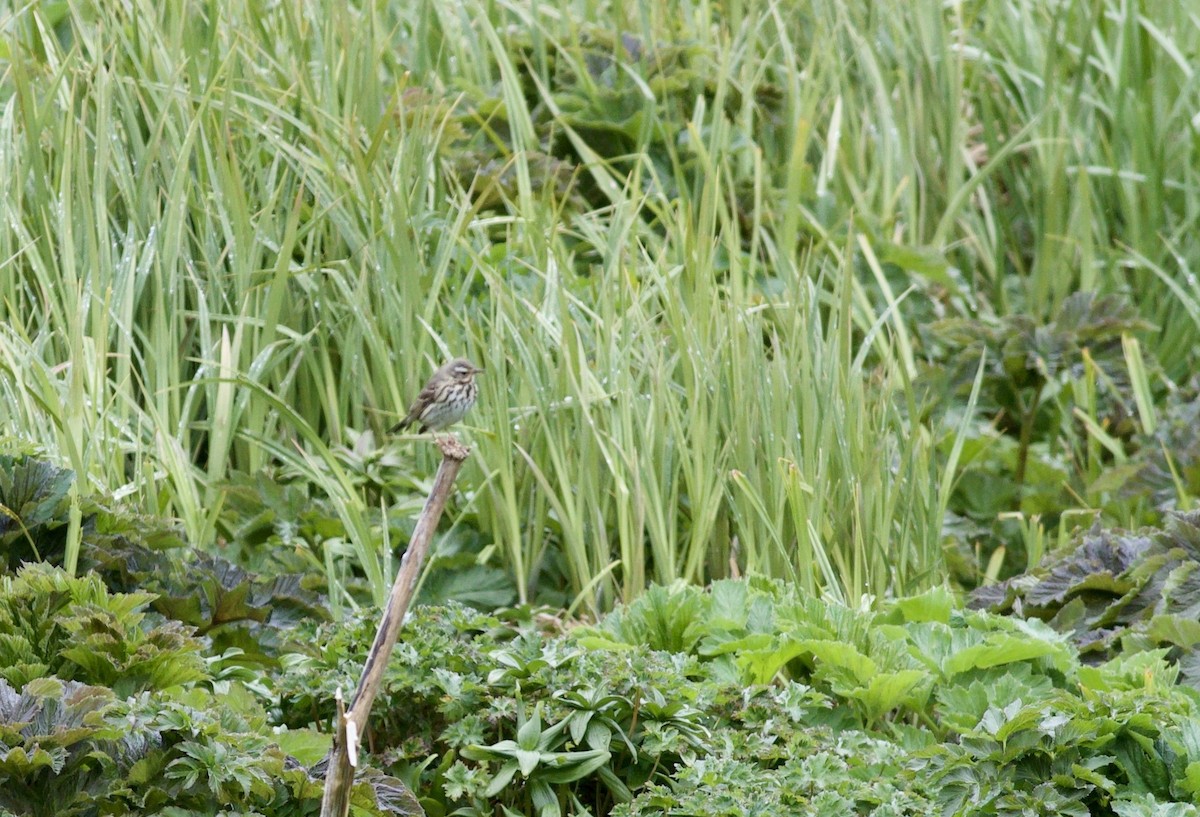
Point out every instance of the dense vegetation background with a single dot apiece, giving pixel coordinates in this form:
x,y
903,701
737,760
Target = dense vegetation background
x,y
874,302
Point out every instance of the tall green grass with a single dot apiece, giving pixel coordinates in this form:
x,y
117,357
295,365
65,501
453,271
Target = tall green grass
x,y
679,239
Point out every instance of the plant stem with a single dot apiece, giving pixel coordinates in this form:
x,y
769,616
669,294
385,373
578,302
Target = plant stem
x,y
340,777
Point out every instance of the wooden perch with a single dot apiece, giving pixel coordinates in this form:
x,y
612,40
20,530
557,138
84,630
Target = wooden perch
x,y
352,724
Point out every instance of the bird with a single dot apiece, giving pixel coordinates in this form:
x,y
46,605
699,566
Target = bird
x,y
445,400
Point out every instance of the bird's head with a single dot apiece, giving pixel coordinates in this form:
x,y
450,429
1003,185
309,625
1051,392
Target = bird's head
x,y
463,370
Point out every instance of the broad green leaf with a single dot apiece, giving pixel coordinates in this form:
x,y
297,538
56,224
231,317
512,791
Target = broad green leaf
x,y
887,691
1174,629
842,655
997,650
933,605
306,745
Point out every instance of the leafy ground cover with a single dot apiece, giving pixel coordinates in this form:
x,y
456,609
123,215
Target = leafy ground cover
x,y
746,697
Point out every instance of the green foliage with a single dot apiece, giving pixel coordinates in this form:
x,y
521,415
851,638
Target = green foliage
x,y
538,755
476,713
107,708
52,625
52,736
68,748
692,250
1116,593
846,774
1057,395
273,523
755,691
200,749
276,523
1167,463
662,619
910,659
778,701
34,509
1062,753
233,607
583,208
689,249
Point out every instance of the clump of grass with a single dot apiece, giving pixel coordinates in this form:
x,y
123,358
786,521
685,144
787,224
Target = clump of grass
x,y
680,243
